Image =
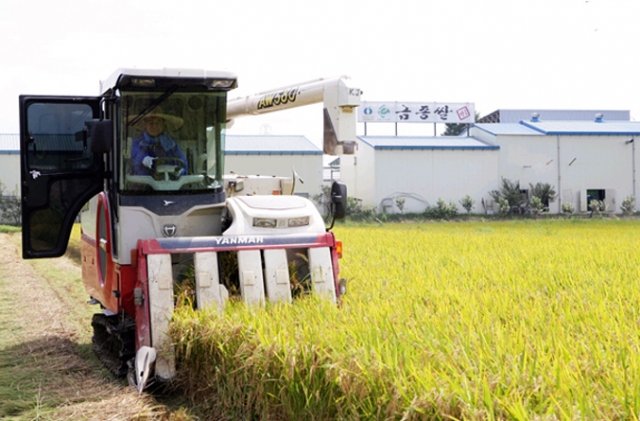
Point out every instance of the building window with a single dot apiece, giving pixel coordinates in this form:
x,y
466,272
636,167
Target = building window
x,y
595,195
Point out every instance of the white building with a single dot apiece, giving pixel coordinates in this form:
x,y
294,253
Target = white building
x,y
422,169
582,160
276,155
10,161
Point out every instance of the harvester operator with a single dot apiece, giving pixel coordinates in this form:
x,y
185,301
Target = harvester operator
x,y
154,143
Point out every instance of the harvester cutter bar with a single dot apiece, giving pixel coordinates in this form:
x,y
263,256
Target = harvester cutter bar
x,y
263,273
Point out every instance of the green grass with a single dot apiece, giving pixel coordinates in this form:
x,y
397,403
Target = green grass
x,y
9,229
517,320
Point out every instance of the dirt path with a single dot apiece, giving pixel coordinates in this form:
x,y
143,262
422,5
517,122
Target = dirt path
x,y
47,367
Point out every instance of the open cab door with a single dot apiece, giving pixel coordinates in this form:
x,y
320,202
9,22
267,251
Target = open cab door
x,y
59,172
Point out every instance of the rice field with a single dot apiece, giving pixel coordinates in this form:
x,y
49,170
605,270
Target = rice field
x,y
524,320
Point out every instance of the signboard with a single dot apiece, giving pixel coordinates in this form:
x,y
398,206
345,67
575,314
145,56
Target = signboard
x,y
416,112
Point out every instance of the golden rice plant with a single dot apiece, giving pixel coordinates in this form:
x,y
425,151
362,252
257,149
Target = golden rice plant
x,y
534,320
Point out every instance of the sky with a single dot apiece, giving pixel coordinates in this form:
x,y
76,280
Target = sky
x,y
545,54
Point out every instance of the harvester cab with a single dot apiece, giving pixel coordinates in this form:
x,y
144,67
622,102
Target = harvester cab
x,y
143,165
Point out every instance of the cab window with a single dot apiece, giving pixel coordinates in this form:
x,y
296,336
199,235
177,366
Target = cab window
x,y
58,136
171,142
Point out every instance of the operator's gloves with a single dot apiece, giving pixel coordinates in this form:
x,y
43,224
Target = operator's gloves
x,y
148,161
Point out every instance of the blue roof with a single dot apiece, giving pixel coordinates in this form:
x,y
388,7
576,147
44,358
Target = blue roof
x,y
269,145
514,116
416,142
9,143
620,128
507,129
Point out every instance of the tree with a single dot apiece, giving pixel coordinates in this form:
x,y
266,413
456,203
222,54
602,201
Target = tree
x,y
454,129
467,203
512,195
543,191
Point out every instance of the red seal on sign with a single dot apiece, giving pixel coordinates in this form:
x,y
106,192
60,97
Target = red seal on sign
x,y
463,113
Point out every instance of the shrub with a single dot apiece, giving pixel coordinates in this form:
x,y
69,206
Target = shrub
x,y
369,212
467,203
10,206
400,203
353,206
357,212
535,205
323,199
597,207
503,205
628,205
442,210
568,208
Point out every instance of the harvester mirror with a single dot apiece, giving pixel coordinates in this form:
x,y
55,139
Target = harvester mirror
x,y
338,200
101,136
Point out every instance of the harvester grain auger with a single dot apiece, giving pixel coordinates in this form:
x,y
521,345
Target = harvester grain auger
x,y
143,165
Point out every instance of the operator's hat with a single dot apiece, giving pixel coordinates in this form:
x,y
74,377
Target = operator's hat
x,y
171,122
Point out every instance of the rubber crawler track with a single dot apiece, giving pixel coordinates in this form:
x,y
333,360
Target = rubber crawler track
x,y
114,342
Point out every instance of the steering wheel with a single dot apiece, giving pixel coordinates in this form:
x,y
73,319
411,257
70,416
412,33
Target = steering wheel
x,y
166,169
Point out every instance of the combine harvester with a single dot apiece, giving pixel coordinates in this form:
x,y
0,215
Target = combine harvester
x,y
143,165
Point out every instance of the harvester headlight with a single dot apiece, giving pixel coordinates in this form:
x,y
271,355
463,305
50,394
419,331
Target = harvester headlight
x,y
299,222
143,82
265,222
223,83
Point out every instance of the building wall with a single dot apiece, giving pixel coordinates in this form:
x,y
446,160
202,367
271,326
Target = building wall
x,y
599,162
358,173
571,164
529,160
308,167
348,173
435,174
10,171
